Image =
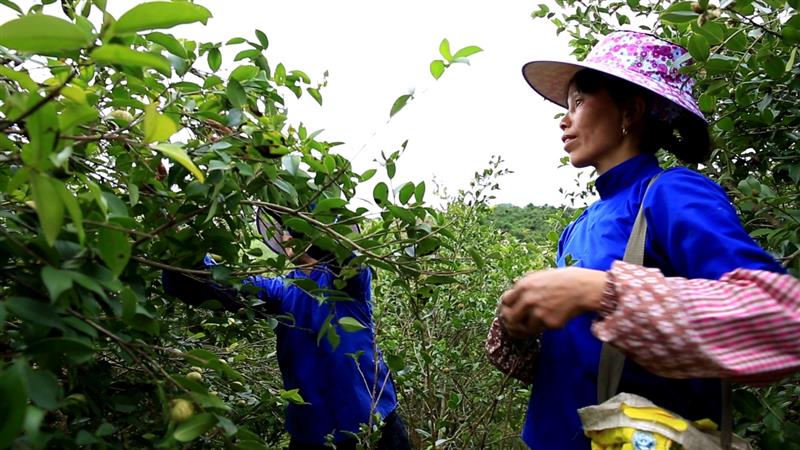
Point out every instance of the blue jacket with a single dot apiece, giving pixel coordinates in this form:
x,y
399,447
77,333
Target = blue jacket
x,y
338,391
693,232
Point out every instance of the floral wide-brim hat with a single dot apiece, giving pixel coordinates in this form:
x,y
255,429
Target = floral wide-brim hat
x,y
640,58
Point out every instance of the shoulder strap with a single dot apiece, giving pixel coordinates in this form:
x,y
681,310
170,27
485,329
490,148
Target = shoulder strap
x,y
612,361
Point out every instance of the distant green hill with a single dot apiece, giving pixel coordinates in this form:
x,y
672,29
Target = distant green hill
x,y
531,223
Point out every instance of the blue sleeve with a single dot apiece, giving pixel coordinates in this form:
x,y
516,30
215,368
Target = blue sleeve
x,y
693,229
359,287
269,289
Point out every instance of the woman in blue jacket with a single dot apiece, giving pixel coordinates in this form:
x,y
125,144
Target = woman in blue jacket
x,y
624,102
341,391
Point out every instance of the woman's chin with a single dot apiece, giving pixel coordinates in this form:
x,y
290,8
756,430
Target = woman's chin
x,y
579,163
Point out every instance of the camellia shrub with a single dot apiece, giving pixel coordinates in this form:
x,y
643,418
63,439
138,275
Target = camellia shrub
x,y
126,150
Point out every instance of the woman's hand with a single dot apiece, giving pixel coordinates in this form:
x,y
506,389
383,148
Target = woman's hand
x,y
549,299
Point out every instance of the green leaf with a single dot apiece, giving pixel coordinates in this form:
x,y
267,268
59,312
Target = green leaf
x,y
299,225
476,257
157,127
236,94
350,324
720,64
115,249
380,193
395,362
399,104
56,281
168,42
74,209
20,77
34,312
437,68
737,41
444,50
262,39
12,404
39,33
774,67
214,59
76,350
42,127
713,31
11,5
698,47
244,73
120,54
48,203
293,396
369,173
467,52
195,427
179,155
406,191
314,93
676,17
77,114
419,192
160,15
403,214
707,103
326,204
43,388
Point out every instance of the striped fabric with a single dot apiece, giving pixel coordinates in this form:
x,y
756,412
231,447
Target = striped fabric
x,y
745,326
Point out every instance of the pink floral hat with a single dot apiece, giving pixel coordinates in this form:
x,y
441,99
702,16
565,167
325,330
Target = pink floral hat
x,y
641,58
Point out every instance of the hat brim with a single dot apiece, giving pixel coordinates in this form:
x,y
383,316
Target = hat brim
x,y
550,79
272,232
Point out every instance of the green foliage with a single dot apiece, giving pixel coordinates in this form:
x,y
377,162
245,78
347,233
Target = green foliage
x,y
432,333
746,67
537,224
121,156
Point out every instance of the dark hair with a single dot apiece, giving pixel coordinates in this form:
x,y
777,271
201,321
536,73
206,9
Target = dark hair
x,y
686,137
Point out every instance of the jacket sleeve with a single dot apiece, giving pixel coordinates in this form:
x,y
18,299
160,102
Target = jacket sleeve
x,y
196,291
744,326
694,231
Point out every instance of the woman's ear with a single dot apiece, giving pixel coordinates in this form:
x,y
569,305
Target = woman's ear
x,y
633,115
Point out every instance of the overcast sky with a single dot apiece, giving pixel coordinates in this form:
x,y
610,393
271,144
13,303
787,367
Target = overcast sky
x,y
376,51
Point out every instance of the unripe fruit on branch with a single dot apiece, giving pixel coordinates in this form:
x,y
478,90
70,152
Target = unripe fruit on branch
x,y
180,410
120,114
194,376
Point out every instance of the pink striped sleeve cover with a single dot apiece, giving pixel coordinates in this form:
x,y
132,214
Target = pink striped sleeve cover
x,y
744,326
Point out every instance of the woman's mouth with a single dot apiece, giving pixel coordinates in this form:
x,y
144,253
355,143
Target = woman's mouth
x,y
566,139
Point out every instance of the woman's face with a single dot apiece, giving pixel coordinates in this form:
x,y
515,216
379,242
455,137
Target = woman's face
x,y
592,130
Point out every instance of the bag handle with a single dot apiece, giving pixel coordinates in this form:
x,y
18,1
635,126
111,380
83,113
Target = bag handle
x,y
612,361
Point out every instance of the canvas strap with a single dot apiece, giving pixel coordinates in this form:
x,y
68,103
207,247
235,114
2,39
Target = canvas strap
x,y
612,361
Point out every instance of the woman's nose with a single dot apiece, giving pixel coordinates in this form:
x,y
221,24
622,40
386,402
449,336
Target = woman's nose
x,y
564,122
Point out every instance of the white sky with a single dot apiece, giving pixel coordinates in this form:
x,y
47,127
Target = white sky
x,y
376,51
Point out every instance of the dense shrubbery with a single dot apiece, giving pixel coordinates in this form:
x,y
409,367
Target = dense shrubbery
x,y
125,150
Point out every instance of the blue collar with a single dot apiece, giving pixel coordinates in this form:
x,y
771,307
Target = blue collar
x,y
625,174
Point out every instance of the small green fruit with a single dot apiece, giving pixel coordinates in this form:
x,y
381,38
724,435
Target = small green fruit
x,y
195,376
181,410
122,115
